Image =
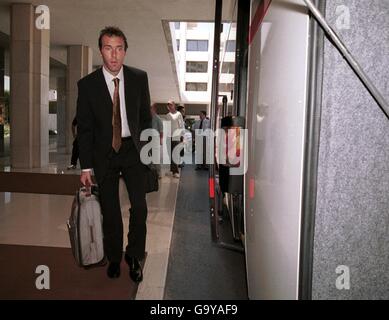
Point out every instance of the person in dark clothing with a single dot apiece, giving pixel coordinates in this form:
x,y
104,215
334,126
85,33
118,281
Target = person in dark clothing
x,y
75,150
203,124
113,108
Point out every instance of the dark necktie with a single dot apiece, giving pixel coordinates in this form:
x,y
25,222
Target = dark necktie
x,y
116,118
201,124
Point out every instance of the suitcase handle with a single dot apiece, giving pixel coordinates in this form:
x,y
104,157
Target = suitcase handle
x,y
89,190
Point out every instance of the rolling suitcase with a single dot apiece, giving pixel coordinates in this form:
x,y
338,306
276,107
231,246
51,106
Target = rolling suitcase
x,y
85,227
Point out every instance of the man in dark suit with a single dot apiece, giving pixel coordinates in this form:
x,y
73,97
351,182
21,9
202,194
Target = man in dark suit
x,y
113,108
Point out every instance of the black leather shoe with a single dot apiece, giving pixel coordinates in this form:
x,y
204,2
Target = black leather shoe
x,y
113,270
136,273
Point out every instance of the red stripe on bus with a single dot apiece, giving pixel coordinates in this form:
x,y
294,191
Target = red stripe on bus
x,y
211,188
258,18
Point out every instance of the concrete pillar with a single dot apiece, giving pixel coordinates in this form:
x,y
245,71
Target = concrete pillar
x,y
61,112
79,65
30,54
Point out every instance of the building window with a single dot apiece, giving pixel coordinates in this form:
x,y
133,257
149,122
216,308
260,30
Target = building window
x,y
226,87
228,67
196,45
230,46
196,66
195,86
177,25
178,44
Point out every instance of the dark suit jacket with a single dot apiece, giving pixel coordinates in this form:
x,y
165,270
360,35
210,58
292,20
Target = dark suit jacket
x,y
94,116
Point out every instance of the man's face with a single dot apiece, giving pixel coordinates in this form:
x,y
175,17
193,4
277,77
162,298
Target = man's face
x,y
113,53
171,107
202,116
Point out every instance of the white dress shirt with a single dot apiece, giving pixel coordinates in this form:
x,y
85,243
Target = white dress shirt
x,y
111,87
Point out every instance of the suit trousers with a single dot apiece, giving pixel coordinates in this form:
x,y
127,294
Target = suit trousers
x,y
171,145
126,163
75,153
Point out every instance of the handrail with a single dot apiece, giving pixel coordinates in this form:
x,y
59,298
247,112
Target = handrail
x,y
213,206
349,58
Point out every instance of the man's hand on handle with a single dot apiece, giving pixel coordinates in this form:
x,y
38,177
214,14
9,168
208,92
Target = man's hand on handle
x,y
86,180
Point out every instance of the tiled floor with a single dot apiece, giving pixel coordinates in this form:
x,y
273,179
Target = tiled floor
x,y
40,220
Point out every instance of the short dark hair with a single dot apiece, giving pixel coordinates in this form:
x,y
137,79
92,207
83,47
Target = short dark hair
x,y
110,32
204,112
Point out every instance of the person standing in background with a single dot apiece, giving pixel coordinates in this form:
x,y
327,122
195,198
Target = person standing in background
x,y
75,150
181,109
203,124
156,124
175,135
